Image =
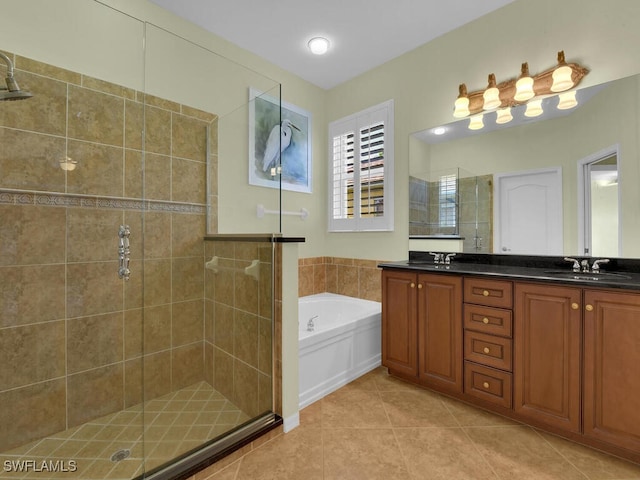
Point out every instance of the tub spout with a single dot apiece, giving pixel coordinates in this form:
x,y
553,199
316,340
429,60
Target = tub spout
x,y
310,325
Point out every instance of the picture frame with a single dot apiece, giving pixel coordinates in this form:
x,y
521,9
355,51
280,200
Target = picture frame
x,y
295,158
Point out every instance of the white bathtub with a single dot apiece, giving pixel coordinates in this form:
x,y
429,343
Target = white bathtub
x,y
345,343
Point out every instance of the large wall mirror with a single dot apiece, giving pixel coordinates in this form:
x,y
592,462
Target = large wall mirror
x,y
565,183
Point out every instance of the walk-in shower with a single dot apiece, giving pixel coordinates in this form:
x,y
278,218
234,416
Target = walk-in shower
x,y
121,355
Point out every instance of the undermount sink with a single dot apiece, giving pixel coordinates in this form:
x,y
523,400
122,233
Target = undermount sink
x,y
587,275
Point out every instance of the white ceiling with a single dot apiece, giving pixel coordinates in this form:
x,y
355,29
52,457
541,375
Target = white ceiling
x,y
363,33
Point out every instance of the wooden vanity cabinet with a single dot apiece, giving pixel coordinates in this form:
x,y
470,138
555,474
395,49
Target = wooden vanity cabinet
x,y
547,337
611,403
422,327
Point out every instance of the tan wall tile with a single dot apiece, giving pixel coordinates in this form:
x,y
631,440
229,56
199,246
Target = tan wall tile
x,y
157,374
19,365
348,280
31,294
188,181
94,341
34,168
305,280
206,117
223,329
157,238
133,174
108,87
32,234
265,347
224,284
332,278
188,138
45,112
319,278
187,322
156,328
157,282
157,130
93,288
133,382
44,69
245,337
246,290
265,392
31,412
99,171
187,277
95,393
133,124
133,287
92,234
133,346
187,365
208,363
95,116
342,261
163,103
223,373
265,290
370,284
209,321
246,388
187,232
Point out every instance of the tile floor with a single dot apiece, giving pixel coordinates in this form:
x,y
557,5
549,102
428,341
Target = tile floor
x,y
173,424
378,427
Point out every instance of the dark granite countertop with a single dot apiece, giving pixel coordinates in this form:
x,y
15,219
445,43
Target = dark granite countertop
x,y
618,273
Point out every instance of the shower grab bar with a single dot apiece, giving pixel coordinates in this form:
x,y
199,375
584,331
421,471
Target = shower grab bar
x,y
252,270
261,211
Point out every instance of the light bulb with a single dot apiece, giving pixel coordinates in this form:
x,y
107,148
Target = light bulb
x,y
461,106
491,95
562,75
504,115
476,123
524,85
567,100
534,108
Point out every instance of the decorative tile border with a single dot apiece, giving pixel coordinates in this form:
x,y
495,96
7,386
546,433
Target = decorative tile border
x,y
15,197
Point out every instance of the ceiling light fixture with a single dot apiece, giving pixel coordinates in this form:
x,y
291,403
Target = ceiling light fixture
x,y
318,45
567,100
476,123
522,90
534,108
504,116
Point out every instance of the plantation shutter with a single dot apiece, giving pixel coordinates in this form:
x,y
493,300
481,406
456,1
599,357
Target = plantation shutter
x,y
361,171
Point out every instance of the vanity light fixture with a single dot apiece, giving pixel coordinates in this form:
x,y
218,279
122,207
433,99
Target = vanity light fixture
x,y
461,107
534,108
504,115
522,90
476,123
524,85
318,45
491,95
567,100
562,75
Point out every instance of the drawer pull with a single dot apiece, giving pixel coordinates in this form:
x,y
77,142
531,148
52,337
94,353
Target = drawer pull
x,y
419,285
589,308
575,306
486,350
485,320
485,384
485,293
413,285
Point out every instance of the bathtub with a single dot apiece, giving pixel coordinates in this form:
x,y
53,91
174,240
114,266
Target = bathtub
x,y
345,343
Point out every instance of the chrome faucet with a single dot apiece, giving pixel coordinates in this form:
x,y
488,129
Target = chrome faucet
x,y
585,265
596,264
437,257
576,264
310,325
447,259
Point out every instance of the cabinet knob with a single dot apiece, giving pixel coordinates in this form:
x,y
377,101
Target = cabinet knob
x,y
486,350
485,384
419,285
574,306
589,308
485,293
485,320
413,285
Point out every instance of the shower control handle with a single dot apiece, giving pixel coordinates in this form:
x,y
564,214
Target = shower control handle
x,y
124,251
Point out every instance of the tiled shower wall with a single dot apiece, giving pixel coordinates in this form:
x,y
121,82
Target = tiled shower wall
x,y
346,276
238,325
72,344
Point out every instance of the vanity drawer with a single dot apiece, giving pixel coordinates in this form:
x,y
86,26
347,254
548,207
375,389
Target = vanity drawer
x,y
492,293
487,384
488,350
494,321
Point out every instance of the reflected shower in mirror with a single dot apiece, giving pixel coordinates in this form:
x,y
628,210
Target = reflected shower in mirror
x,y
604,122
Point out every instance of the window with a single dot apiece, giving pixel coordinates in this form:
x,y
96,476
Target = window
x,y
448,194
361,171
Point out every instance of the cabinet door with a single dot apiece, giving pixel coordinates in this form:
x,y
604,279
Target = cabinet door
x,y
547,335
440,331
399,328
611,357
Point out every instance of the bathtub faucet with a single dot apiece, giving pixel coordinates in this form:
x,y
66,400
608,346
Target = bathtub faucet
x,y
310,325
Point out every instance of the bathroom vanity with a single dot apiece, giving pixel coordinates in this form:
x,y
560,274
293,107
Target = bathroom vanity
x,y
525,337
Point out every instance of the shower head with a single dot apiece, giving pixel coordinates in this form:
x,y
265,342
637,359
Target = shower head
x,y
12,92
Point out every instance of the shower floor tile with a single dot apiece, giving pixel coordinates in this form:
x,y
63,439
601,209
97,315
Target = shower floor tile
x,y
173,425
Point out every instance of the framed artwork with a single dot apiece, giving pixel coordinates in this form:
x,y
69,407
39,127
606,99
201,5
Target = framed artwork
x,y
279,146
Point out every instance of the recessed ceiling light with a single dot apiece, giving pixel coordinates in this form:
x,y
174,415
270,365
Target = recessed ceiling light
x,y
318,45
439,130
